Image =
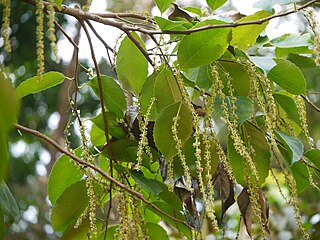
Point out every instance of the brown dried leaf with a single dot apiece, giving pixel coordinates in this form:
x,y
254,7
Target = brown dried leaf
x,y
245,208
178,13
263,201
227,191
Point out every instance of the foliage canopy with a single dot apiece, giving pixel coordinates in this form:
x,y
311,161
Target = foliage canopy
x,y
193,118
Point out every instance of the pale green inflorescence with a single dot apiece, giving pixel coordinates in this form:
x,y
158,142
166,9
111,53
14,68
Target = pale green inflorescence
x,y
123,232
294,203
139,229
6,25
303,118
265,100
207,197
170,174
92,205
246,152
51,30
314,24
86,7
143,143
40,39
181,155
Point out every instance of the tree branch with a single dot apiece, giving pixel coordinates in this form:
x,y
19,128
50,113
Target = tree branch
x,y
108,48
98,170
80,15
101,97
310,103
126,15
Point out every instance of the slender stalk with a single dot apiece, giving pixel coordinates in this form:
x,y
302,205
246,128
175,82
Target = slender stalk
x,y
98,170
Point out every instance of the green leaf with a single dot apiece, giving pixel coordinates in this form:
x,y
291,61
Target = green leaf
x,y
291,40
194,10
113,95
170,198
3,154
151,185
166,24
118,148
301,175
147,93
201,48
97,136
156,232
64,173
114,127
111,232
288,76
288,104
308,67
163,4
7,202
245,108
245,36
59,4
262,156
69,206
132,66
9,108
1,224
81,232
172,212
314,156
239,75
201,76
292,146
163,136
283,52
34,85
166,90
215,4
188,150
265,63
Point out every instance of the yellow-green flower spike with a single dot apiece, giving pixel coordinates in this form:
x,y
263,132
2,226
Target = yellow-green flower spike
x,y
246,152
123,210
6,25
143,143
51,31
92,205
182,157
303,118
86,7
314,24
40,40
294,203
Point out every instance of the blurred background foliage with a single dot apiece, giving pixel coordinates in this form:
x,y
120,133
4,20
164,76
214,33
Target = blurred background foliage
x,y
31,160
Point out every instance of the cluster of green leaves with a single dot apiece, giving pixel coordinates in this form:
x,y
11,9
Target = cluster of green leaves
x,y
289,71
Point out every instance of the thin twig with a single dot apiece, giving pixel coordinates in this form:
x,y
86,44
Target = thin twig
x,y
310,103
101,97
96,169
75,77
108,48
125,15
